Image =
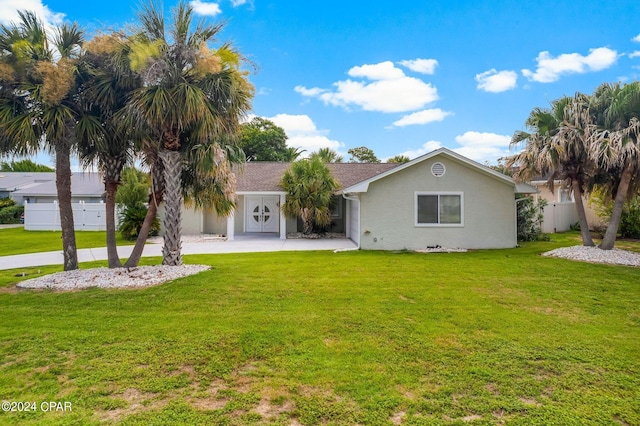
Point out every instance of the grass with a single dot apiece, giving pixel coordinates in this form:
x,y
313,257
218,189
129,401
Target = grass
x,y
19,241
485,337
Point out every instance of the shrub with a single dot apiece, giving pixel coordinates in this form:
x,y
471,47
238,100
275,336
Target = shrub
x,y
630,220
530,218
11,214
6,202
131,220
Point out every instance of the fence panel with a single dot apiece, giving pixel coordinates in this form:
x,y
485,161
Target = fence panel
x,y
46,216
558,217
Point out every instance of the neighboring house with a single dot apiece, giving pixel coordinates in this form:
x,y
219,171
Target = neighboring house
x,y
38,193
438,199
560,213
10,182
85,188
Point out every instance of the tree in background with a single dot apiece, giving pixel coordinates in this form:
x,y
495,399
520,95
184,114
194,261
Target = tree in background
x,y
292,154
262,140
362,155
24,166
38,104
399,159
327,155
310,187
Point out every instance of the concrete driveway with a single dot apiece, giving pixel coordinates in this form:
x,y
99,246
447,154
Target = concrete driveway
x,y
243,243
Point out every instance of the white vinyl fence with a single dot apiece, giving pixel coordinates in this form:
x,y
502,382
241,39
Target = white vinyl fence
x,y
559,217
46,216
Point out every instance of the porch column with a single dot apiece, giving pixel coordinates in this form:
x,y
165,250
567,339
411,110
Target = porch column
x,y
231,225
283,218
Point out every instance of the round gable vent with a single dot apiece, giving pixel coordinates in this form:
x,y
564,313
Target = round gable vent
x,y
438,169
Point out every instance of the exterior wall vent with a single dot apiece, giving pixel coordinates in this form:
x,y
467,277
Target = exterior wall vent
x,y
438,169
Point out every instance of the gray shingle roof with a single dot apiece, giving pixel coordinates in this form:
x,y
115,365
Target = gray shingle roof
x,y
82,185
260,176
12,181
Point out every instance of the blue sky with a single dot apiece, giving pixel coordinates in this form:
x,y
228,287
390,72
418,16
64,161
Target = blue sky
x,y
406,77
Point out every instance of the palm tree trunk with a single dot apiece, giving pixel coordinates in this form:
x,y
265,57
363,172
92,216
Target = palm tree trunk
x,y
585,232
609,239
63,187
111,186
307,221
172,163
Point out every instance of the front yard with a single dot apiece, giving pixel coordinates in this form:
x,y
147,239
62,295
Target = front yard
x,y
484,337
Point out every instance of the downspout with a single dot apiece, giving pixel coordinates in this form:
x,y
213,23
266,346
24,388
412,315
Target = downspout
x,y
353,198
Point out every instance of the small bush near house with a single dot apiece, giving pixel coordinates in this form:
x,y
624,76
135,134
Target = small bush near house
x,y
530,219
131,220
11,214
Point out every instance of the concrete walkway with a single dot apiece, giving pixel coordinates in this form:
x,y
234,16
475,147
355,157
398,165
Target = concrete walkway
x,y
247,243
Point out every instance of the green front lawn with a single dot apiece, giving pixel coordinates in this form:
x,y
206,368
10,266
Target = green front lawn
x,y
485,337
19,241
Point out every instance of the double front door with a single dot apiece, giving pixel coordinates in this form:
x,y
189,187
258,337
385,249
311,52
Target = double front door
x,y
262,214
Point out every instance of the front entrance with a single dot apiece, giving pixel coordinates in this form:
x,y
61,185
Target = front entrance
x,y
262,214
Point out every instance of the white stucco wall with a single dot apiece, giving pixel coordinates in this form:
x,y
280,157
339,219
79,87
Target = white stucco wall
x,y
192,220
388,209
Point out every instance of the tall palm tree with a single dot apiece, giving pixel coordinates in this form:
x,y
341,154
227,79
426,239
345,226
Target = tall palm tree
x,y
190,95
310,187
557,147
617,150
104,137
39,105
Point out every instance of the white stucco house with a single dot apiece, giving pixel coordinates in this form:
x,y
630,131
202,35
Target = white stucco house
x,y
439,199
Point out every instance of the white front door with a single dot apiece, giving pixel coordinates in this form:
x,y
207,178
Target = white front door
x,y
262,214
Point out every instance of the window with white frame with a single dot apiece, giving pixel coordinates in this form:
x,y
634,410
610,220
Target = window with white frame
x,y
439,209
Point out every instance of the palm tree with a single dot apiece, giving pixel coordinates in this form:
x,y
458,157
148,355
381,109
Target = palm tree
x,y
291,154
327,155
38,104
617,150
399,159
190,96
557,147
310,187
104,139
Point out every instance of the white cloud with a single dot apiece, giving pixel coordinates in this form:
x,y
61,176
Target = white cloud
x,y
483,146
634,54
550,69
636,38
389,91
205,8
426,148
9,11
302,133
382,71
313,92
496,81
422,117
423,66
236,3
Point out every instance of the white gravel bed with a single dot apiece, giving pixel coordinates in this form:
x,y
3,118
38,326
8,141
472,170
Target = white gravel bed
x,y
596,255
143,276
